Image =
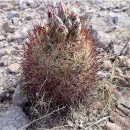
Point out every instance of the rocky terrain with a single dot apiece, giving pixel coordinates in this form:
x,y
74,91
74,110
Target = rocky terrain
x,y
110,24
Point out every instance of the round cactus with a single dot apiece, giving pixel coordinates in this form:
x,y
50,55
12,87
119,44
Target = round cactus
x,y
60,63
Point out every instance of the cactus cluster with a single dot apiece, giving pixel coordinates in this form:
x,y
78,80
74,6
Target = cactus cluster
x,y
60,61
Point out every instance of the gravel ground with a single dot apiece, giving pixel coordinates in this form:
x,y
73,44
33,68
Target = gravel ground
x,y
110,23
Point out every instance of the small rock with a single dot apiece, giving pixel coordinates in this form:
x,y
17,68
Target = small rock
x,y
7,95
13,119
2,38
124,4
4,52
116,19
30,1
117,10
2,6
23,6
33,5
29,17
107,64
117,49
79,124
98,2
112,126
19,99
70,123
8,28
118,72
23,30
125,8
126,62
103,39
1,64
88,14
15,20
101,74
110,6
16,36
94,112
12,14
14,68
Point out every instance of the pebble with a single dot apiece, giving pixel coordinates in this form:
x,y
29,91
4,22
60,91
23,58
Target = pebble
x,y
107,64
124,4
112,126
103,39
8,28
70,123
4,52
12,14
2,38
29,17
23,6
126,62
14,68
15,20
117,49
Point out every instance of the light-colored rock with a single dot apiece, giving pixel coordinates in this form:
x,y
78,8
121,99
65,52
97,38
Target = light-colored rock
x,y
112,126
101,74
110,6
15,20
13,119
16,36
23,6
30,1
12,14
116,19
23,30
8,28
124,4
2,38
107,64
29,17
14,68
4,52
19,98
103,39
70,123
126,62
98,2
117,49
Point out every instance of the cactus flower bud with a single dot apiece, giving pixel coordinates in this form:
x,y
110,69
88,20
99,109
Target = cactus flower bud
x,y
62,32
68,24
62,11
76,28
50,13
74,16
57,21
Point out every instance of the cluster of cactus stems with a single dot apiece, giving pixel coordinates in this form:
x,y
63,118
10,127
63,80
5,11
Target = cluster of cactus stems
x,y
60,61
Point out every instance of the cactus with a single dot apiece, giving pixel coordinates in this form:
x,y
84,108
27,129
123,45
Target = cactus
x,y
60,61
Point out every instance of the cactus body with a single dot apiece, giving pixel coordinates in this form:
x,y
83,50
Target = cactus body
x,y
59,66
